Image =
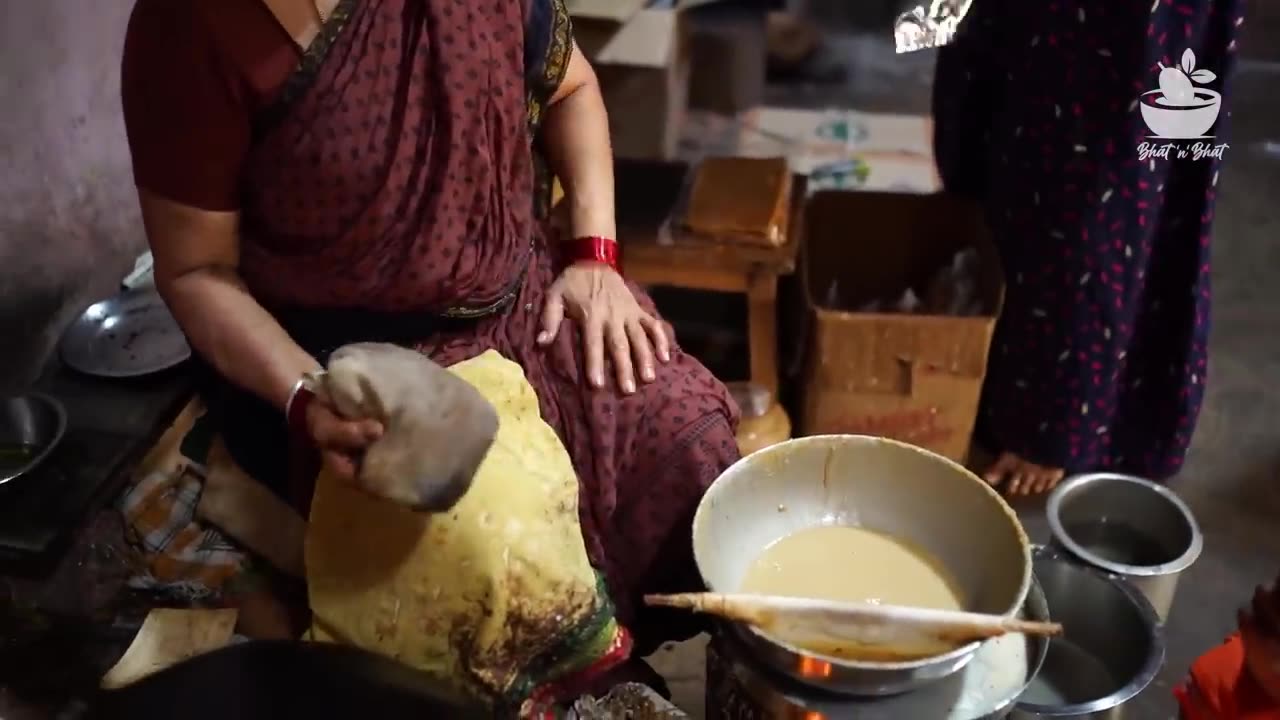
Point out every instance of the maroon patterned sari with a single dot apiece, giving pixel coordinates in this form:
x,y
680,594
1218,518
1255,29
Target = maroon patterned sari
x,y
398,177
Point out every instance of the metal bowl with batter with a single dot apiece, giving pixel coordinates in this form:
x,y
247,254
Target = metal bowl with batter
x,y
876,484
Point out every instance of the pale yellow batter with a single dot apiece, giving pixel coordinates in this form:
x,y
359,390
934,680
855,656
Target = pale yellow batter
x,y
851,564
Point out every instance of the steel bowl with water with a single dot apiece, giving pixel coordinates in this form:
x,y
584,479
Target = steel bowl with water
x,y
1111,649
880,485
1129,527
31,425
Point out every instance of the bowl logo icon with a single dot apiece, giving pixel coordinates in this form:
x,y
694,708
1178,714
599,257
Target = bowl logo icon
x,y
1179,109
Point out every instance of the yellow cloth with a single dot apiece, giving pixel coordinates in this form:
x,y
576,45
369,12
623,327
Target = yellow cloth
x,y
475,595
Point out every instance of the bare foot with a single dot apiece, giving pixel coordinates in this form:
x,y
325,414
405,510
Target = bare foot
x,y
1016,476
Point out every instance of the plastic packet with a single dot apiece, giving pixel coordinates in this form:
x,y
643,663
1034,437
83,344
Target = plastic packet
x,y
670,228
954,290
931,24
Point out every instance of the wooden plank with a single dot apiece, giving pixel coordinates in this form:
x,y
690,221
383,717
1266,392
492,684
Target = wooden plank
x,y
762,330
689,277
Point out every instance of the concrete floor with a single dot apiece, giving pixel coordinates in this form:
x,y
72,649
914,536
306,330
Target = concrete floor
x,y
1232,478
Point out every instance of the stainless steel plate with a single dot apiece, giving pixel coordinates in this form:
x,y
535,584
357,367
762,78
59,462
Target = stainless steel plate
x,y
128,335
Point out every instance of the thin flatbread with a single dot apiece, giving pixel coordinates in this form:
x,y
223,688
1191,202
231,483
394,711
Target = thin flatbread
x,y
167,637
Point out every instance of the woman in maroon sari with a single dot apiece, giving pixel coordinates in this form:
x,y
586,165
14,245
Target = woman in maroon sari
x,y
319,172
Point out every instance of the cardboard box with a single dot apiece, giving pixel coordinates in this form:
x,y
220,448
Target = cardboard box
x,y
615,11
643,65
728,58
846,149
914,378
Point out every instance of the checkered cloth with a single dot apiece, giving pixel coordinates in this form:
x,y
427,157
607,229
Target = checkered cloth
x,y
183,556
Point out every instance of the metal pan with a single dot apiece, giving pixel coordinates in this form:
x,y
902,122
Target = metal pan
x,y
881,485
129,335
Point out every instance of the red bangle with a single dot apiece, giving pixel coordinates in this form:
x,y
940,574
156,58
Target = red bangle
x,y
594,248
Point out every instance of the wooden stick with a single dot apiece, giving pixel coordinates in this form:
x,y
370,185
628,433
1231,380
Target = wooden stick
x,y
861,622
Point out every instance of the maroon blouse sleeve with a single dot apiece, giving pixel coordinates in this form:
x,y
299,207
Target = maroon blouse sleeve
x,y
186,117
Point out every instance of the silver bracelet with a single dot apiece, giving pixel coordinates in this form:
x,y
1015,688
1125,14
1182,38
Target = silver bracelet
x,y
293,394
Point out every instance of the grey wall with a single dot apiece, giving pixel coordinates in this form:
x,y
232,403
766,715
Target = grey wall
x,y
69,225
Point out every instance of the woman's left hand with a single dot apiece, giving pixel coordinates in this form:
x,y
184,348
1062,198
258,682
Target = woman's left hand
x,y
595,295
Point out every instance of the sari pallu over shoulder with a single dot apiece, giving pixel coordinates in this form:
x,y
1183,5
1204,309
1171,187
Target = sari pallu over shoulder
x,y
354,209
396,171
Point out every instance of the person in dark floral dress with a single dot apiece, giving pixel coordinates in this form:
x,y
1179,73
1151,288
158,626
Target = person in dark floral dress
x,y
1099,359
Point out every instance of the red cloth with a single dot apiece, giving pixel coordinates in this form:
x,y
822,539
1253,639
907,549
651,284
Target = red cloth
x,y
1221,688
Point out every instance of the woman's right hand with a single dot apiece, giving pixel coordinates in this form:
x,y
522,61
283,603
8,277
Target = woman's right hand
x,y
341,442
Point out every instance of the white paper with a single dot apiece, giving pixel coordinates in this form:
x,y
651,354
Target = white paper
x,y
143,273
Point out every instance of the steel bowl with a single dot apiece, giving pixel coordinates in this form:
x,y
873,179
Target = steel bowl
x,y
1111,648
31,425
881,485
1127,526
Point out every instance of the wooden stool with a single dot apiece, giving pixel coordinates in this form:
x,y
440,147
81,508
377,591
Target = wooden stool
x,y
647,191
